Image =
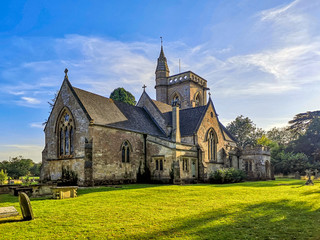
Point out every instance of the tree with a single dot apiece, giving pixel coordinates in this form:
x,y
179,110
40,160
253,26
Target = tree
x,y
3,177
120,94
309,143
282,136
264,141
35,169
289,162
302,121
245,131
17,167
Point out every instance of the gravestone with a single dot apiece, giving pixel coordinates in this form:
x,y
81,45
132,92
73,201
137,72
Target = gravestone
x,y
25,206
6,212
297,175
309,181
316,176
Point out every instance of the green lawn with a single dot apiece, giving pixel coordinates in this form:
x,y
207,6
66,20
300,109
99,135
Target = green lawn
x,y
282,209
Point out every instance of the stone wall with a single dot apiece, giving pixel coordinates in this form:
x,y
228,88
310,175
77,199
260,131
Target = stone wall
x,y
256,161
107,165
51,169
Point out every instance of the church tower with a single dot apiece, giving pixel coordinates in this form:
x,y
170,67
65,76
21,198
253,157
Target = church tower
x,y
162,73
188,88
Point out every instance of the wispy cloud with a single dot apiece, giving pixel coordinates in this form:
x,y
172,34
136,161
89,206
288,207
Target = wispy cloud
x,y
277,12
30,100
27,151
37,125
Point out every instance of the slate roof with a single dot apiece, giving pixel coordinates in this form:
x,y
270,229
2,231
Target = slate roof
x,y
190,119
227,134
105,111
162,62
163,107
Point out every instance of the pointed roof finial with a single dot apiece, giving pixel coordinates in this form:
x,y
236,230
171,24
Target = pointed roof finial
x,y
162,61
209,94
66,74
144,87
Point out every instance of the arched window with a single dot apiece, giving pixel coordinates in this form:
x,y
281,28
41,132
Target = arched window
x,y
176,99
65,134
125,149
197,100
212,145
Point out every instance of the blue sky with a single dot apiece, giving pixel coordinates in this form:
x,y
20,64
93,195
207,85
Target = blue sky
x,y
261,58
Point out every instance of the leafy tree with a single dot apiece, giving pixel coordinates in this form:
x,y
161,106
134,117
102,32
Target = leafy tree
x,y
302,121
264,141
245,131
282,136
289,162
3,177
309,143
17,167
120,94
35,169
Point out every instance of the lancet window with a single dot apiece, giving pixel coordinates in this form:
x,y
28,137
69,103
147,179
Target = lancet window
x,y
212,145
66,135
125,151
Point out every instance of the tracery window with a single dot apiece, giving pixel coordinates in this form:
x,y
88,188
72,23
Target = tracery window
x,y
65,135
212,145
125,152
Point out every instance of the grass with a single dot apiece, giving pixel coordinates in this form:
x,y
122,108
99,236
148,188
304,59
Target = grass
x,y
282,209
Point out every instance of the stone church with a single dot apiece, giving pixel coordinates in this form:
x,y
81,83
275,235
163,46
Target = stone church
x,y
176,138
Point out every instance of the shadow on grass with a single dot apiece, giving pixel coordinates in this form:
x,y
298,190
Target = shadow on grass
x,y
2,221
270,220
7,198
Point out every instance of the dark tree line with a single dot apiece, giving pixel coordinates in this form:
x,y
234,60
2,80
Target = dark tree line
x,y
19,167
293,148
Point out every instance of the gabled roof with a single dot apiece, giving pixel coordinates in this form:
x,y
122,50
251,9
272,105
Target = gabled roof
x,y
191,118
105,111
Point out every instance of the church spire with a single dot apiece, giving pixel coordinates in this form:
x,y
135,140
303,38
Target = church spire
x,y
162,61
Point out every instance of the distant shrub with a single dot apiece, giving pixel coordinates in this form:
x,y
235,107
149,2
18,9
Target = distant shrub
x,y
3,176
227,175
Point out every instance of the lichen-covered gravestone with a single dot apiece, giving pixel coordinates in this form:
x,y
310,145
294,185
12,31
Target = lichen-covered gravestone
x,y
309,181
25,206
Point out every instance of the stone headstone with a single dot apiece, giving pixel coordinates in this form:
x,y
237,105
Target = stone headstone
x,y
316,174
309,181
297,175
25,206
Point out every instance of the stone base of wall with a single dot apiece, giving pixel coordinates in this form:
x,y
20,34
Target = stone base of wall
x,y
113,182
